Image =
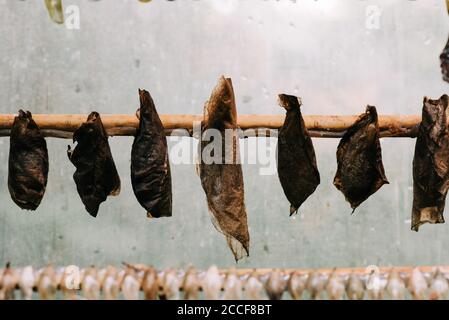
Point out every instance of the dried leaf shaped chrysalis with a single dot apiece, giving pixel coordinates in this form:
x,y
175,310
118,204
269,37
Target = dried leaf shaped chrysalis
x,y
55,11
96,176
220,170
28,162
150,166
431,164
360,171
297,169
444,59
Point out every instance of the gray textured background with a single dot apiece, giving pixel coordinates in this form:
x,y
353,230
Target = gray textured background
x,y
319,50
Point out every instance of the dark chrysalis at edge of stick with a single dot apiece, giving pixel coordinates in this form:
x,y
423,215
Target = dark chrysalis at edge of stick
x,y
27,163
431,164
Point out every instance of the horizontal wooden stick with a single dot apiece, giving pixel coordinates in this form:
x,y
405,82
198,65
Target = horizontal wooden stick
x,y
321,126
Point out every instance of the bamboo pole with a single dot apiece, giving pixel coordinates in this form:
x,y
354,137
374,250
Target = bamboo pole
x,y
320,126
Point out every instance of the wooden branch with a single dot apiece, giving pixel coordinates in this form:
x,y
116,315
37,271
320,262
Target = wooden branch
x,y
63,125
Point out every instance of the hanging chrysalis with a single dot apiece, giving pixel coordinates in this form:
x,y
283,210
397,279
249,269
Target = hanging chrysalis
x,y
220,170
297,169
431,164
28,162
55,11
150,166
444,59
360,171
96,176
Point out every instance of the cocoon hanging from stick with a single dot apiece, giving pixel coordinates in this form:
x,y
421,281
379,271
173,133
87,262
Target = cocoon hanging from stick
x,y
431,164
150,166
360,171
297,169
220,169
96,176
444,59
28,162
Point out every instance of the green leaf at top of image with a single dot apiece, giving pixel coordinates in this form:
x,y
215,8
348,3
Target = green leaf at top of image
x,y
54,8
150,0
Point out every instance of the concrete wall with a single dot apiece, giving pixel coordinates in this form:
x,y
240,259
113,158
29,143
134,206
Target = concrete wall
x,y
328,52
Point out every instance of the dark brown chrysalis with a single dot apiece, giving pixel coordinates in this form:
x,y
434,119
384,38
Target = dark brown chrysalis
x,y
150,166
220,169
297,169
431,163
360,171
444,59
96,176
28,162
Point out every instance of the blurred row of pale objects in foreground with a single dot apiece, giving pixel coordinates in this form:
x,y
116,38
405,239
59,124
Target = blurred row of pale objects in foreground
x,y
145,282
